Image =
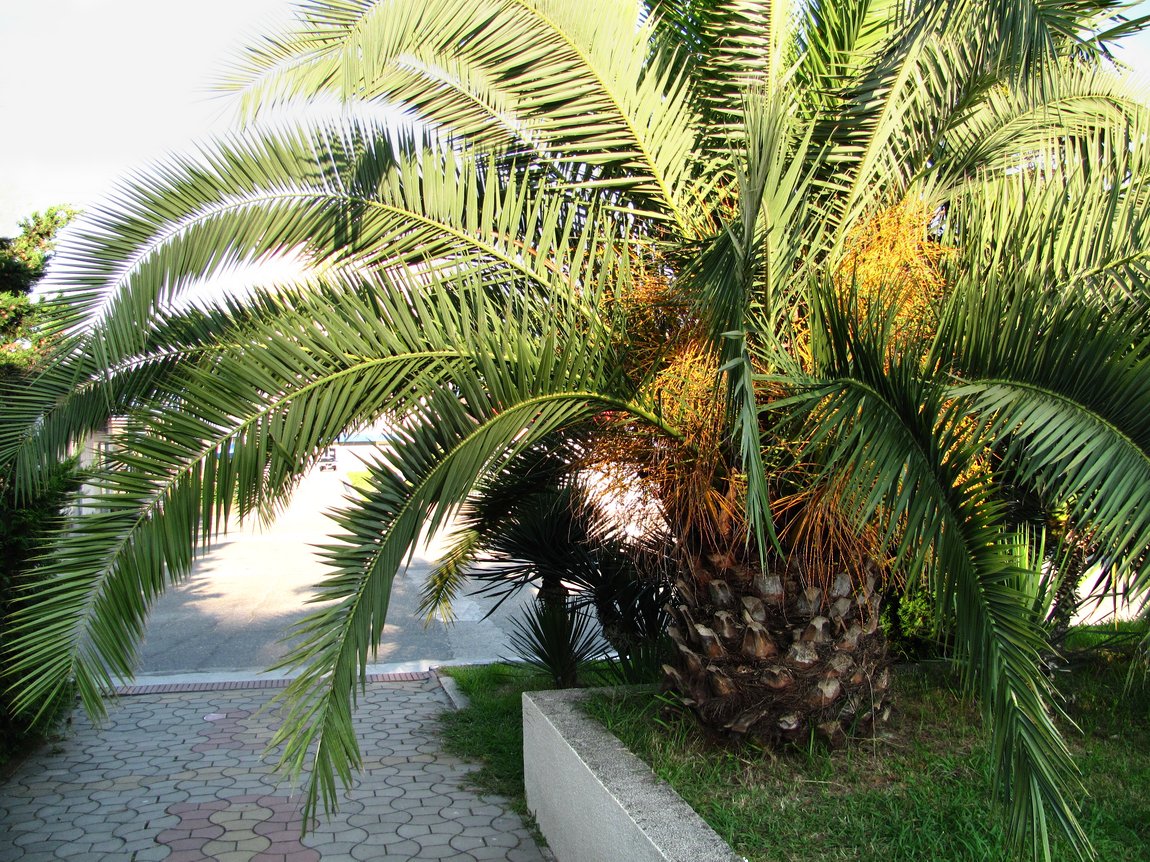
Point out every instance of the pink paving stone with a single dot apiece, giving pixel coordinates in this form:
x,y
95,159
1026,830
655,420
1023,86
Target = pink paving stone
x,y
226,733
212,831
195,831
197,820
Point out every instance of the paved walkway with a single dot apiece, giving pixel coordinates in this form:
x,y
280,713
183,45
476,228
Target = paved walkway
x,y
254,582
178,775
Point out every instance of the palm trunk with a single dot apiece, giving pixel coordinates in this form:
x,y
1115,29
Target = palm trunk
x,y
761,656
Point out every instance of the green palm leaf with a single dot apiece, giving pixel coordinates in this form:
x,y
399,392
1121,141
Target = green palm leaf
x,y
516,398
1042,118
1067,228
1072,409
896,447
75,397
341,196
236,429
574,84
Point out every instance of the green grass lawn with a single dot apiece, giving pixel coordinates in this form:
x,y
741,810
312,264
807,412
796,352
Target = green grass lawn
x,y
360,479
490,729
918,792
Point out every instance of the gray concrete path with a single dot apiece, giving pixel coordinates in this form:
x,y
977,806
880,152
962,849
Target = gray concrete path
x,y
230,617
179,776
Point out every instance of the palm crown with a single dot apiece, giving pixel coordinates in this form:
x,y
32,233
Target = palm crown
x,y
491,276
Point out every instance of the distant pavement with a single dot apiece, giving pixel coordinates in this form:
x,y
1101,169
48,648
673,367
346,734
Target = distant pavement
x,y
228,620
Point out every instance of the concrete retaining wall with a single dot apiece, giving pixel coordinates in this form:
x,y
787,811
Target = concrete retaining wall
x,y
595,801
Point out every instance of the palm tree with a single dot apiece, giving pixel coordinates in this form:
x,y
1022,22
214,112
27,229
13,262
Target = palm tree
x,y
640,226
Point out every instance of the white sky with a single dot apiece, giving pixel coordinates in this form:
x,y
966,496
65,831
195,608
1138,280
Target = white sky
x,y
90,89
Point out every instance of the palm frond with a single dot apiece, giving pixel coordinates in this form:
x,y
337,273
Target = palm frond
x,y
733,47
898,447
516,398
233,432
894,118
1073,228
569,83
1039,123
75,397
1071,409
837,41
887,121
342,196
471,278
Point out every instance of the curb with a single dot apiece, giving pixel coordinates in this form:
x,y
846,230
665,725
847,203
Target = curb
x,y
451,688
231,685
593,799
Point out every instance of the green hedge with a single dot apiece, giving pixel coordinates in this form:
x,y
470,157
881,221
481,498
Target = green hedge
x,y
24,528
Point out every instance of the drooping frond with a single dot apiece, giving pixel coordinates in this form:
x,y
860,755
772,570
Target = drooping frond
x,y
899,451
234,429
75,396
1082,114
336,196
508,401
744,281
472,280
1028,38
1065,392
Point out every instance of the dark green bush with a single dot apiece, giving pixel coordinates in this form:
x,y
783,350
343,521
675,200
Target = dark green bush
x,y
25,525
558,640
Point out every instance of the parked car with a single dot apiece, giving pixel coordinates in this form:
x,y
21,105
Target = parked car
x,y
327,459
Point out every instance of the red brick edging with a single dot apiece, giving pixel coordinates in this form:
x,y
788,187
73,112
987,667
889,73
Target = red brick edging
x,y
175,687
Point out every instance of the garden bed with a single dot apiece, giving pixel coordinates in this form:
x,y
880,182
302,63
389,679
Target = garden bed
x,y
918,791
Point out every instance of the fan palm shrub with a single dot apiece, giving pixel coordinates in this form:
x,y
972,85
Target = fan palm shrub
x,y
546,531
560,642
658,229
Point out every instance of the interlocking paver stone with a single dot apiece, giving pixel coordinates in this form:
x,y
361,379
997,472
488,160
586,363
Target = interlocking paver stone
x,y
178,776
